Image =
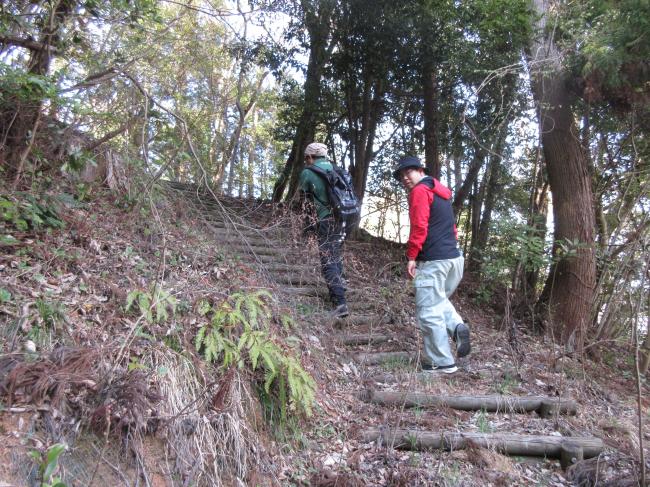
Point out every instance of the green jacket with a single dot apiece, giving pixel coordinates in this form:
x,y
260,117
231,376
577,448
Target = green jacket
x,y
312,184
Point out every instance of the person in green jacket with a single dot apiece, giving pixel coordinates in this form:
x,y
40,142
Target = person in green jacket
x,y
329,231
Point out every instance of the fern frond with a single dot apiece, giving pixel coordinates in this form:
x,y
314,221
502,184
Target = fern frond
x,y
269,377
204,307
287,322
145,306
130,298
200,335
235,317
283,398
253,355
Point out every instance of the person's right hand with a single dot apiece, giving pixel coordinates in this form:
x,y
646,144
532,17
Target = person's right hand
x,y
410,269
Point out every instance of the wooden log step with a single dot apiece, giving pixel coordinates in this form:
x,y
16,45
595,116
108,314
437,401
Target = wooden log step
x,y
250,239
508,444
220,218
399,377
311,291
251,236
208,204
314,291
310,275
204,196
229,232
209,207
274,259
378,358
236,230
221,227
304,280
545,406
362,306
356,319
365,319
219,223
361,339
256,249
292,268
405,376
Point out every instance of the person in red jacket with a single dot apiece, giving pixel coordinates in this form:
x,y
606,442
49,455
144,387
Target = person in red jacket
x,y
436,265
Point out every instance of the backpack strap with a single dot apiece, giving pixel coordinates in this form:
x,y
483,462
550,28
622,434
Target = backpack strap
x,y
318,170
323,174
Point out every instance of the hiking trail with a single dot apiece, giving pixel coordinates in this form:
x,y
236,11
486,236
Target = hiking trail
x,y
508,416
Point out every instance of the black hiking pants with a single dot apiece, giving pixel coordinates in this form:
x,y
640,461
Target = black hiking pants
x,y
330,249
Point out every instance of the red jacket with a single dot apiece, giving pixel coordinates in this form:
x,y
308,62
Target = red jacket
x,y
433,234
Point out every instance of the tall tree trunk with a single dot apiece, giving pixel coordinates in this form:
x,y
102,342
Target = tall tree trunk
x,y
449,172
430,114
477,203
494,182
569,291
481,139
250,173
645,348
234,159
317,21
537,222
363,139
23,122
472,173
232,148
458,171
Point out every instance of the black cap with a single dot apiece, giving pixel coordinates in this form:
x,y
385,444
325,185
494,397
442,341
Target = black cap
x,y
408,161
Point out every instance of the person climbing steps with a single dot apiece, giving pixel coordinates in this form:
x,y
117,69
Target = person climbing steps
x,y
435,264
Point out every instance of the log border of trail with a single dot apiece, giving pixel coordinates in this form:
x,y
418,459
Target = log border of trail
x,y
508,444
379,358
545,406
361,339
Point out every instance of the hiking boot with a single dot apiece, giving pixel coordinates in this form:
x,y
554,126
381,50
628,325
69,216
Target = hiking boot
x,y
439,369
341,311
461,337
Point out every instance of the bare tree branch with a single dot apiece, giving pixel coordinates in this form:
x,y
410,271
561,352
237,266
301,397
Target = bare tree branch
x,y
30,44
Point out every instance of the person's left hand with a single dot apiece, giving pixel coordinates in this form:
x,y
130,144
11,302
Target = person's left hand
x,y
410,269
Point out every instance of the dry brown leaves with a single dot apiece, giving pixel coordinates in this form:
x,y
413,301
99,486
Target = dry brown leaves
x,y
65,371
127,405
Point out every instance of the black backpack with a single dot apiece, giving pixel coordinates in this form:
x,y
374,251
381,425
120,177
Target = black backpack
x,y
342,200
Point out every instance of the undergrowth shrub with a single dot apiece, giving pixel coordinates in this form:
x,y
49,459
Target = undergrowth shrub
x,y
515,246
512,245
50,318
49,465
238,333
155,305
25,212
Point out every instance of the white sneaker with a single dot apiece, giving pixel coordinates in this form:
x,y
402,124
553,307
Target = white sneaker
x,y
445,369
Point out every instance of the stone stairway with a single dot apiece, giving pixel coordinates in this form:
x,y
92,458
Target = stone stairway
x,y
385,355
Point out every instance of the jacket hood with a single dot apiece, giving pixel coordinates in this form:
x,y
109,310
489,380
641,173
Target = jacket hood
x,y
436,187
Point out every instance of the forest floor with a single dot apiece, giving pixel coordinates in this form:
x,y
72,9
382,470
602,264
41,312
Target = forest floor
x,y
67,288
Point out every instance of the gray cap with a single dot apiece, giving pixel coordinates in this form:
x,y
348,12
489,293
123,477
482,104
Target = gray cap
x,y
316,149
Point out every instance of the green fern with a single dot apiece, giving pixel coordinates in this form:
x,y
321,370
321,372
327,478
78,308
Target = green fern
x,y
287,322
238,332
253,307
302,386
155,305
